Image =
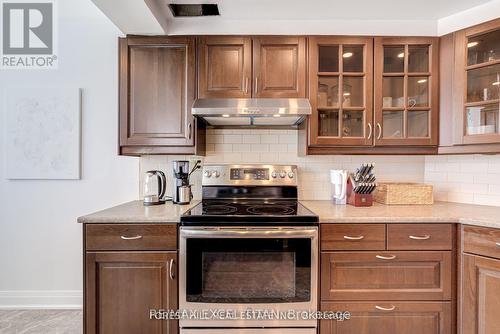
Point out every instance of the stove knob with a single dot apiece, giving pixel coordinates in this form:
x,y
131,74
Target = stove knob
x,y
290,175
208,173
215,173
274,174
282,174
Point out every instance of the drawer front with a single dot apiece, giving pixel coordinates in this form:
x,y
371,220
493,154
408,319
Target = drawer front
x,y
353,236
389,317
482,241
105,237
422,275
420,236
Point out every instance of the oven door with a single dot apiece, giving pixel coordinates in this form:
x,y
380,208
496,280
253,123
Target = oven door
x,y
241,269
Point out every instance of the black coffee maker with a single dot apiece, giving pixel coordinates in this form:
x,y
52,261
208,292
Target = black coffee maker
x,y
182,193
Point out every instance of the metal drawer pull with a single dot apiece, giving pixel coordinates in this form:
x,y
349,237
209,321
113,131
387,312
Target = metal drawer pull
x,y
423,237
498,244
171,272
137,237
359,237
390,257
392,308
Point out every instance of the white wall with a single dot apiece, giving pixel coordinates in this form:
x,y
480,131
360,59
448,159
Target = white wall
x,y
40,241
280,147
473,179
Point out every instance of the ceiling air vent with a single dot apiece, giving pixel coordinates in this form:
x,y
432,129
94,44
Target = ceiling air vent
x,y
180,10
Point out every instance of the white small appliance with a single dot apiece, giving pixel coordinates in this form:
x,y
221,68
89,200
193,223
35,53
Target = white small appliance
x,y
338,179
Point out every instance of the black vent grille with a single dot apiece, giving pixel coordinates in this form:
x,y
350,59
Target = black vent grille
x,y
188,10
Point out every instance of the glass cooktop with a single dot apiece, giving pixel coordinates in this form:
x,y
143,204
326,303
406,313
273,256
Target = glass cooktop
x,y
248,211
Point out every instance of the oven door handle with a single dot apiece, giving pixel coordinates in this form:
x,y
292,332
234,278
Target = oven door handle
x,y
249,232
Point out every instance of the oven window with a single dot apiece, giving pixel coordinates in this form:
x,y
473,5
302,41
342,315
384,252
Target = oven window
x,y
248,270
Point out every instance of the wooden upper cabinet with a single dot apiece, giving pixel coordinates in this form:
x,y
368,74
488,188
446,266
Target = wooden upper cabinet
x,y
340,79
224,67
406,90
157,79
279,67
480,295
477,80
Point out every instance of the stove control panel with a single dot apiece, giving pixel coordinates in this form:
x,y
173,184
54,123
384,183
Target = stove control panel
x,y
249,175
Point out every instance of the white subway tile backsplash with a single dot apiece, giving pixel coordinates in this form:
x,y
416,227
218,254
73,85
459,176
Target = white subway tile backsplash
x,y
250,139
232,139
280,147
465,178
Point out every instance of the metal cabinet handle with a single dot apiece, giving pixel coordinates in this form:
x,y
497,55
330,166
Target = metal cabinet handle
x,y
137,237
392,308
497,243
256,85
171,272
390,257
246,85
359,237
379,127
421,237
190,130
370,131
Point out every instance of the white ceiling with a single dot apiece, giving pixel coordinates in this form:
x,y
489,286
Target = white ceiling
x,y
332,17
336,9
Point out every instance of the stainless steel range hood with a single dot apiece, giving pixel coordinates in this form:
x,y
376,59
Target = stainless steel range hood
x,y
252,112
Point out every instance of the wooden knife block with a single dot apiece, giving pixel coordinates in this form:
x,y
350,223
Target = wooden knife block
x,y
357,199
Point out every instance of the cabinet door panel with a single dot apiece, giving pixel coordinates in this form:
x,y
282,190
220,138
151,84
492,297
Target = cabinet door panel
x,y
224,67
156,91
394,318
406,88
386,276
480,295
340,81
121,288
279,67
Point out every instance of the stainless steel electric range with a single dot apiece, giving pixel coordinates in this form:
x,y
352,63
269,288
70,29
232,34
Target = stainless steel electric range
x,y
249,254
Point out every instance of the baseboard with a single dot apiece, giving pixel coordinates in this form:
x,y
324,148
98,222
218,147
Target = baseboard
x,y
41,299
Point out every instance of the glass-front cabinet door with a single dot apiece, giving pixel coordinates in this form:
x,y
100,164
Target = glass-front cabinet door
x,y
406,91
341,91
481,110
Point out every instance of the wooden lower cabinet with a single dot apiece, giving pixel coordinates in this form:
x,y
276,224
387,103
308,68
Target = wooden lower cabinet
x,y
122,287
480,302
389,318
407,275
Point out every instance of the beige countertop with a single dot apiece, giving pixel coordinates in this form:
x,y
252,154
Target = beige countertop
x,y
136,212
440,212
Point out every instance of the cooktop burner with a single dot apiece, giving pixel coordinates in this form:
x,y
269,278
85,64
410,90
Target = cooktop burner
x,y
210,212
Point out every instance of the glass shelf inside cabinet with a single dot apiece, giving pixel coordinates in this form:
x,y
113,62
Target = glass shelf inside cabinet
x,y
393,92
418,124
328,58
418,92
483,84
328,93
352,123
394,59
418,59
328,123
352,58
483,48
482,120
